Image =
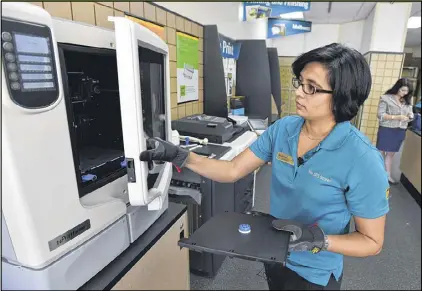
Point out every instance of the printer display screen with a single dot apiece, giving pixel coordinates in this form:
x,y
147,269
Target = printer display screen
x,y
31,44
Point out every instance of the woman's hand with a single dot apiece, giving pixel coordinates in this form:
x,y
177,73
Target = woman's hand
x,y
405,118
401,117
164,151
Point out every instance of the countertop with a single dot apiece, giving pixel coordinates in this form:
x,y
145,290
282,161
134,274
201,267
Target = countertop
x,y
418,132
113,272
410,164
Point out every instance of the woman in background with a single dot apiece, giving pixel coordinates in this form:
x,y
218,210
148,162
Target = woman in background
x,y
394,114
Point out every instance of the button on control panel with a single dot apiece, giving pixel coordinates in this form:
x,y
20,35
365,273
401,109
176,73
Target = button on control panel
x,y
13,76
10,57
15,86
12,67
6,36
8,46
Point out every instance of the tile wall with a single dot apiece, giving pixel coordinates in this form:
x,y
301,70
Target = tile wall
x,y
96,13
288,103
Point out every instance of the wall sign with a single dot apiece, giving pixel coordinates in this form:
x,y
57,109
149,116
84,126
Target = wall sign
x,y
229,48
187,67
281,27
254,10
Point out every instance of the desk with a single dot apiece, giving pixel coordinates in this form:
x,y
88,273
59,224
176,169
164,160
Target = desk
x,y
410,164
154,261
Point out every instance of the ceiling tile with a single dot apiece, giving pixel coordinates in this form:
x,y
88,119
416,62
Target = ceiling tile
x,y
319,10
345,9
366,9
341,12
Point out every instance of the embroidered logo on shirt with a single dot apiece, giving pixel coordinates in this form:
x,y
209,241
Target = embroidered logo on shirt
x,y
319,176
285,158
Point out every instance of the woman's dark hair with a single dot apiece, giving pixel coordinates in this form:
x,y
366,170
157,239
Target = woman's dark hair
x,y
348,74
403,82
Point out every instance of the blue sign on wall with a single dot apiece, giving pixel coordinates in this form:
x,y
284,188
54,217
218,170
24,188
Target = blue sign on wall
x,y
229,48
254,10
281,27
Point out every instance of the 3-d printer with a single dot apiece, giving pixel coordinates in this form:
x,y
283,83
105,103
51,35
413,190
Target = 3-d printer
x,y
78,102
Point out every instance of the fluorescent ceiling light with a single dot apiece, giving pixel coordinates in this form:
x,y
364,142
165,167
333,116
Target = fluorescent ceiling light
x,y
292,15
414,22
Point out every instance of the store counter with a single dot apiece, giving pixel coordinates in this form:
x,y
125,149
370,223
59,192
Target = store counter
x,y
410,164
154,261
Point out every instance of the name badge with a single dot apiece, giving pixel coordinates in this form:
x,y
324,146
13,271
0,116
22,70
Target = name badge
x,y
285,158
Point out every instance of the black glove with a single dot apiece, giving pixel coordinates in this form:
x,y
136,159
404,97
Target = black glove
x,y
302,238
164,151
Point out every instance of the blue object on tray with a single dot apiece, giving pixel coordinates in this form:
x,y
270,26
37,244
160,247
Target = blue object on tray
x,y
89,177
123,164
244,228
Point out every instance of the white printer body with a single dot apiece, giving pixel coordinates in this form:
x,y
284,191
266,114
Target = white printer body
x,y
78,102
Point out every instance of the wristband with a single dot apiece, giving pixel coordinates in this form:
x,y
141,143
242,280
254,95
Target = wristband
x,y
326,243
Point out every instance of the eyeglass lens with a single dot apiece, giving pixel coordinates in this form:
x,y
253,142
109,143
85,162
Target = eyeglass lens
x,y
307,88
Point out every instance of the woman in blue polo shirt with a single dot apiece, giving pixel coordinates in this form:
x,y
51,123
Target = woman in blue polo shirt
x,y
325,172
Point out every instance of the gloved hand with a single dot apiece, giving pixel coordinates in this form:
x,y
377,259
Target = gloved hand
x,y
164,151
303,238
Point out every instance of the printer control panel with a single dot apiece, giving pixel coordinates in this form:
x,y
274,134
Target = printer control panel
x,y
28,63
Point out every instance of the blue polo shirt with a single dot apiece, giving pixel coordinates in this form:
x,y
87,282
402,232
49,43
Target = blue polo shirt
x,y
343,176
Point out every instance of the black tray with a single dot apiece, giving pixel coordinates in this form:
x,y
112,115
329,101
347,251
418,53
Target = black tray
x,y
220,235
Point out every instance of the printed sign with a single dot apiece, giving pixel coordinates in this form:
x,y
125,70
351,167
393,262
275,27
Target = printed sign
x,y
281,27
254,10
187,67
229,48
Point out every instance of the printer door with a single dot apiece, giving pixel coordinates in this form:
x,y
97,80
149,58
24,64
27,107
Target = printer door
x,y
142,63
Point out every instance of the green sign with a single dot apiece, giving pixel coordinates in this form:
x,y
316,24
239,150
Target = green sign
x,y
187,68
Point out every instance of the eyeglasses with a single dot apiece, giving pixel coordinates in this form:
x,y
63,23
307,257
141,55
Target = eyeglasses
x,y
308,88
